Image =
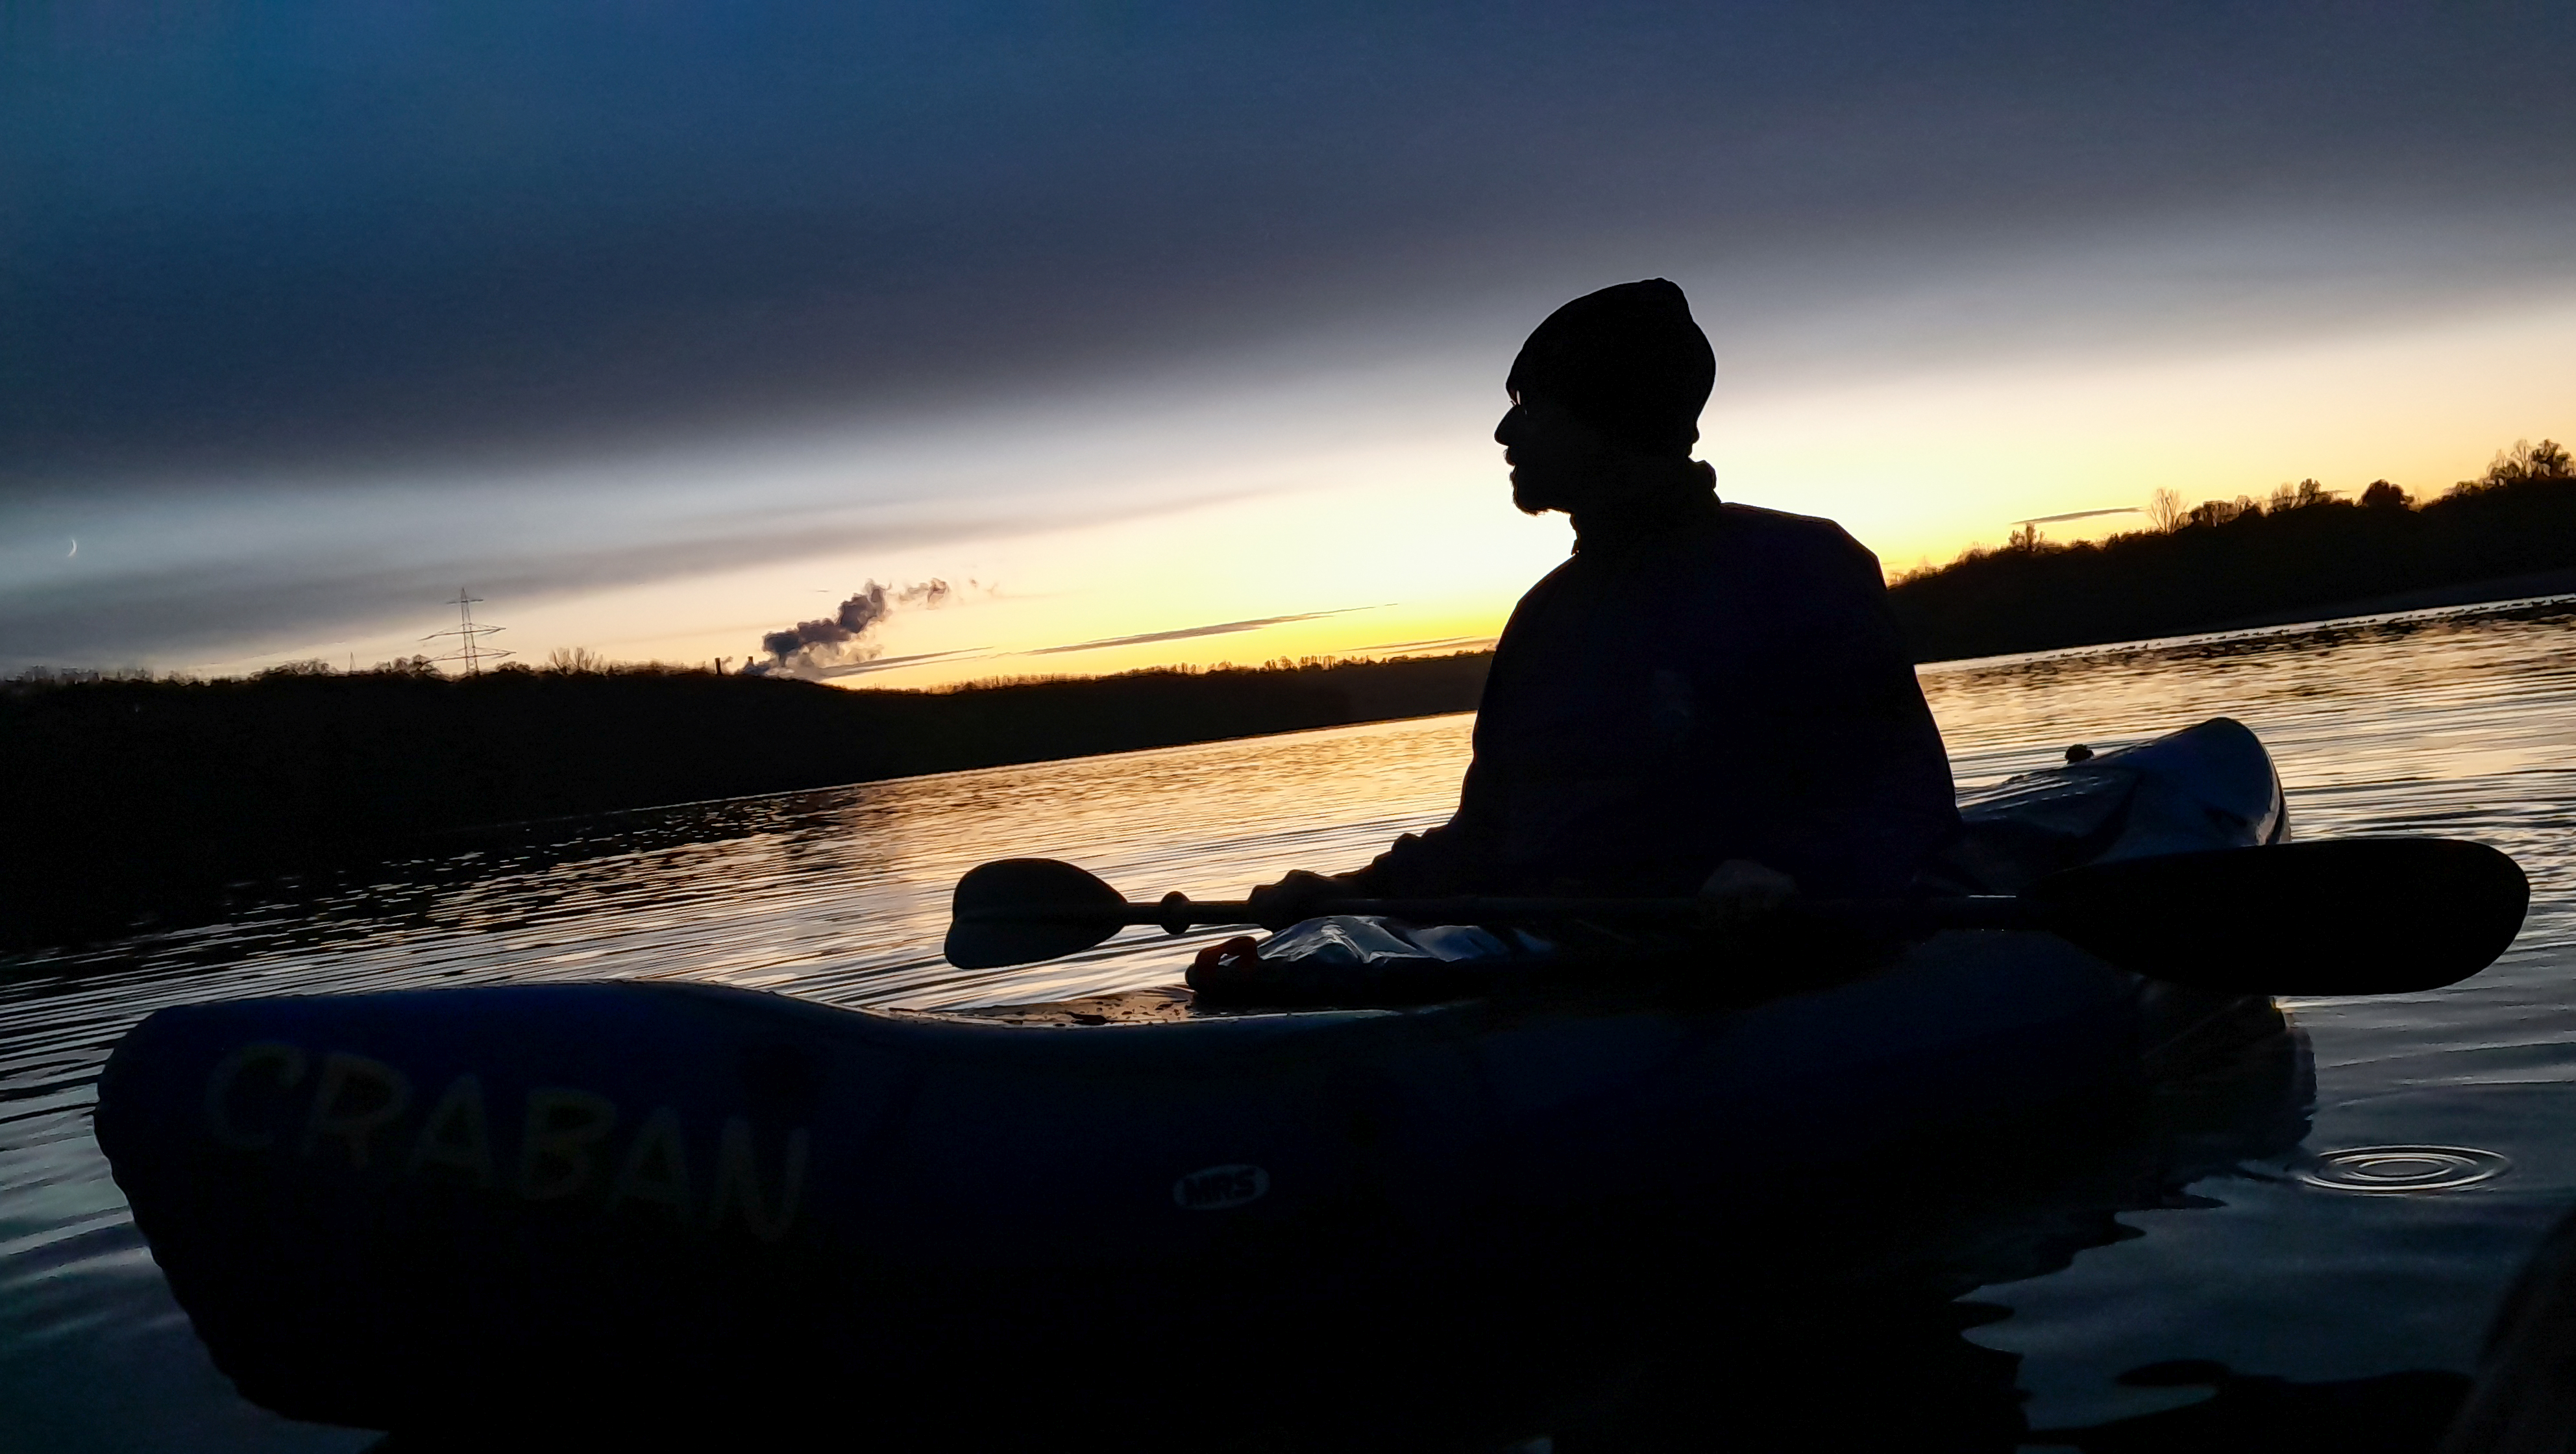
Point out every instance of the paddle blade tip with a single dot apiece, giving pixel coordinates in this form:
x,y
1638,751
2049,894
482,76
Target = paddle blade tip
x,y
1024,910
2351,916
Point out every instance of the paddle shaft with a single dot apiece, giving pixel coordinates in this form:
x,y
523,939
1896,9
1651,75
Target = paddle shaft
x,y
1177,912
2339,917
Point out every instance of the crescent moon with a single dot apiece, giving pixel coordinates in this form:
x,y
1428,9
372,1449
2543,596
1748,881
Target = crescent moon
x,y
75,550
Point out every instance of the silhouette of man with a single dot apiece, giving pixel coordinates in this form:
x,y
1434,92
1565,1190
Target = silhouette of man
x,y
1705,698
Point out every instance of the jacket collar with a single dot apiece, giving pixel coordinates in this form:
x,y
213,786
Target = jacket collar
x,y
1607,528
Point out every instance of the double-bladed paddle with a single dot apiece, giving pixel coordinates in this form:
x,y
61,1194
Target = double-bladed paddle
x,y
2351,916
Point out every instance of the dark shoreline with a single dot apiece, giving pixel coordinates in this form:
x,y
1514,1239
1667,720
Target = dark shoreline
x,y
2225,567
130,805
2538,585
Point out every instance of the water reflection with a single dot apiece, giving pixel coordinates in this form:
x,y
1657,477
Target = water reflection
x,y
1856,1339
2457,722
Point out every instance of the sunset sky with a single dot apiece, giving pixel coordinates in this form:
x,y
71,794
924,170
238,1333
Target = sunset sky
x,y
663,326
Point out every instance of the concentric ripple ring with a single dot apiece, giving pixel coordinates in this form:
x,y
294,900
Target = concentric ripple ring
x,y
2403,1168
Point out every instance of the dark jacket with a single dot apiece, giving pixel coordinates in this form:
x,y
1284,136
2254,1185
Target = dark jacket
x,y
1699,682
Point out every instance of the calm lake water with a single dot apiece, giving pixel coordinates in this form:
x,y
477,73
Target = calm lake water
x,y
2458,723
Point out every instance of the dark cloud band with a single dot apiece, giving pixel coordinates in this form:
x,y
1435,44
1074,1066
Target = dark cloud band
x,y
300,233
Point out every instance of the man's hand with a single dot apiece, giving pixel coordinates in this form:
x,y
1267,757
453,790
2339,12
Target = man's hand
x,y
1276,906
1742,890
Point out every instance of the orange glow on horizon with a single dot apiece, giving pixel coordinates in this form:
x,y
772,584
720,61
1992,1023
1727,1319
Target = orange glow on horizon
x,y
1402,531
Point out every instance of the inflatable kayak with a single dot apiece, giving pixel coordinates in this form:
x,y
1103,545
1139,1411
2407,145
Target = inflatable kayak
x,y
634,1201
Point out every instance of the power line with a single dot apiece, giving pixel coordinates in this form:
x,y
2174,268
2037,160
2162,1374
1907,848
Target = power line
x,y
470,648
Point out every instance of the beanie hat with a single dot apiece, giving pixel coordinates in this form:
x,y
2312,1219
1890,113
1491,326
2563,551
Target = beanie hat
x,y
1628,361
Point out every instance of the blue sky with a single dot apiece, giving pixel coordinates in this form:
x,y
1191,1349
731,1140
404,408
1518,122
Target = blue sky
x,y
658,324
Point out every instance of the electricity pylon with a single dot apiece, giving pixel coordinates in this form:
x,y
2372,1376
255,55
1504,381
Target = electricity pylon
x,y
470,648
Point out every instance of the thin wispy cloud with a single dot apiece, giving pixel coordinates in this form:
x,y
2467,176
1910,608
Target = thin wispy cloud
x,y
2077,515
891,663
1435,644
1185,633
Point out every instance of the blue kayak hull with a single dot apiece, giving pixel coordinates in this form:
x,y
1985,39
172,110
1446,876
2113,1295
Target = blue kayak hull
x,y
404,1209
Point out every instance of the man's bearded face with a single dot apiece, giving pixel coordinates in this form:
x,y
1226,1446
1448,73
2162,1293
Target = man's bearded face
x,y
1557,461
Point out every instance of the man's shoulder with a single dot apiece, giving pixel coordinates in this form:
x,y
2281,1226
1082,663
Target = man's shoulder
x,y
1776,534
1756,520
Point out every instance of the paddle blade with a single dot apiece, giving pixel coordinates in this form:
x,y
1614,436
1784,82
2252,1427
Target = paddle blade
x,y
2352,916
1022,910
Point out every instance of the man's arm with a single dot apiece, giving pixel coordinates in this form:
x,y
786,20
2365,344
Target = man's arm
x,y
1871,794
1431,863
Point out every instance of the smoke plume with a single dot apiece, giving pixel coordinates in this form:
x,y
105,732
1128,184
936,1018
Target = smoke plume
x,y
834,644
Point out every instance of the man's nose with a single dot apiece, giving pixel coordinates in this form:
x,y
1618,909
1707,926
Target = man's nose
x,y
1503,428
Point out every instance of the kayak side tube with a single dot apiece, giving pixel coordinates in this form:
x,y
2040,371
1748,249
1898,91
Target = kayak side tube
x,y
389,1209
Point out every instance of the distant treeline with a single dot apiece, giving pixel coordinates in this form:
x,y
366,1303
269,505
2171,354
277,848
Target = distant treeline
x,y
123,797
2302,554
